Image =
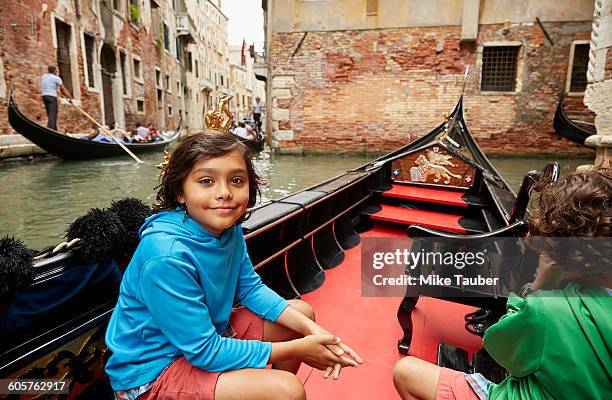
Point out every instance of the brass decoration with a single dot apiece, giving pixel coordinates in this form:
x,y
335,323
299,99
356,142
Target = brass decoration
x,y
434,165
164,164
446,120
81,361
214,118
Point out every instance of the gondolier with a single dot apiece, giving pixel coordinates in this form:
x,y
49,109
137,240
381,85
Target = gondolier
x,y
258,107
49,84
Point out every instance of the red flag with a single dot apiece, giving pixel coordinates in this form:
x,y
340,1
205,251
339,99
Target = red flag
x,y
242,55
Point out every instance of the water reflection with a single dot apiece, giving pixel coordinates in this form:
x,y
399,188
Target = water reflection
x,y
40,199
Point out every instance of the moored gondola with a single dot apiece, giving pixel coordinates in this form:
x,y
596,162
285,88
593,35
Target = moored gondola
x,y
577,132
306,244
66,146
256,145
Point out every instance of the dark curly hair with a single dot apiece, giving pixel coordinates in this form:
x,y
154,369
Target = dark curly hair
x,y
199,147
579,205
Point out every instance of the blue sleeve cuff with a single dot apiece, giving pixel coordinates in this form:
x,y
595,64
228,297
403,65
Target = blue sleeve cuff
x,y
276,310
266,353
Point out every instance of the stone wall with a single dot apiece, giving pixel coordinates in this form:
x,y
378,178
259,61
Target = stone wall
x,y
374,90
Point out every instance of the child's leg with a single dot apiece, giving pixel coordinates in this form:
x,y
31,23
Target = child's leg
x,y
259,384
278,333
416,379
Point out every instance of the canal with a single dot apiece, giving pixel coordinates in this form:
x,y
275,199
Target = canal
x,y
39,199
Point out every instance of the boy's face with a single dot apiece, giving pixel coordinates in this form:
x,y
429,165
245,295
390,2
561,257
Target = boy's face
x,y
216,192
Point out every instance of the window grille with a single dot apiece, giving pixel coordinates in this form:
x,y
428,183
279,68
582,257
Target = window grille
x,y
123,62
89,55
62,31
580,64
499,68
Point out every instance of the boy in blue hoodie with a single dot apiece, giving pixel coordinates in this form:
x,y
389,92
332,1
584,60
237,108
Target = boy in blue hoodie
x,y
173,333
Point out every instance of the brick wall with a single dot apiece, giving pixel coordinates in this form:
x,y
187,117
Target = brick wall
x,y
25,57
374,90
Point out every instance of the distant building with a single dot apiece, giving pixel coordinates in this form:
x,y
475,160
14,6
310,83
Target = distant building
x,y
123,61
370,75
244,84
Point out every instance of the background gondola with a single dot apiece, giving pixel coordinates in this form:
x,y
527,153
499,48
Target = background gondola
x,y
575,131
69,147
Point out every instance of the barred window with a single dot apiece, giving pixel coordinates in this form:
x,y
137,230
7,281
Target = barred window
x,y
499,68
90,46
64,35
580,64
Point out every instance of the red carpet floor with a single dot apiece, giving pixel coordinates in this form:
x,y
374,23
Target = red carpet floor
x,y
369,325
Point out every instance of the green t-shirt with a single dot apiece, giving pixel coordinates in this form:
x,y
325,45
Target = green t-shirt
x,y
555,344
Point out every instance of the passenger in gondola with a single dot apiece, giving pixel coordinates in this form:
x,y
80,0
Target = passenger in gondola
x,y
120,134
250,131
141,134
241,131
174,330
155,136
49,85
555,339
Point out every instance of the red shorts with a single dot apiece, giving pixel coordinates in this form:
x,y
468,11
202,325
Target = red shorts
x,y
183,381
452,385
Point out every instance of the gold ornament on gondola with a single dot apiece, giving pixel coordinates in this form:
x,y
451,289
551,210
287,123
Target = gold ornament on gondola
x,y
214,119
164,164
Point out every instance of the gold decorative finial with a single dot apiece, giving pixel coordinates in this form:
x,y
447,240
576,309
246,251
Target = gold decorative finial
x,y
163,165
214,118
446,119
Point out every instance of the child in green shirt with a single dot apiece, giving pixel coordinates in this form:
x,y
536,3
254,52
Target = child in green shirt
x,y
556,342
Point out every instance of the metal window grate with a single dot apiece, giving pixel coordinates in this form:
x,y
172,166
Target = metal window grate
x,y
89,55
580,64
63,34
499,68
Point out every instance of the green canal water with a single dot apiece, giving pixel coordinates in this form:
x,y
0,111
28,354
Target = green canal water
x,y
39,199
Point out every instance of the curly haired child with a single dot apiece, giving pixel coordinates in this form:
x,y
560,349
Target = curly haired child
x,y
556,342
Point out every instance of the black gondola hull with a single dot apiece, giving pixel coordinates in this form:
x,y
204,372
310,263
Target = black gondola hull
x,y
69,147
565,127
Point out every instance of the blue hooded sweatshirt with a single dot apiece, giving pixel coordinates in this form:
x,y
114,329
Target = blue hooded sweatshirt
x,y
176,299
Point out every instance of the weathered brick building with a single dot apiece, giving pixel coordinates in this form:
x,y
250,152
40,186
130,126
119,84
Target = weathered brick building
x,y
369,75
123,61
109,56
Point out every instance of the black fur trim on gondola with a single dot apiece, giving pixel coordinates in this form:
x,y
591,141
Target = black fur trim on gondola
x,y
16,265
132,213
101,234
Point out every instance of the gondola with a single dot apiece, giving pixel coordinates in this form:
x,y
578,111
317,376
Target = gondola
x,y
310,245
69,147
256,145
577,132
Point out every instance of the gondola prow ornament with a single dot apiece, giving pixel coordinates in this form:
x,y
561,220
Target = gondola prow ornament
x,y
214,118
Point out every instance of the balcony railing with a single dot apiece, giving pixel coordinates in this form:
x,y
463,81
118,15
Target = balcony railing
x,y
185,25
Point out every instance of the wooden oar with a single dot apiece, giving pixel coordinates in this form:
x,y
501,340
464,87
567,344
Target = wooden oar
x,y
103,129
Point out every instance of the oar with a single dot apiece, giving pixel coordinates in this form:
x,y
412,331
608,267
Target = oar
x,y
108,133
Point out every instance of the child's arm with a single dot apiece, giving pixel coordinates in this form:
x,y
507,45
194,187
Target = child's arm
x,y
170,291
516,341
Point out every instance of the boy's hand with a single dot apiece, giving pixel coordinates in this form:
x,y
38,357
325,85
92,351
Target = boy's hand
x,y
339,349
313,350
